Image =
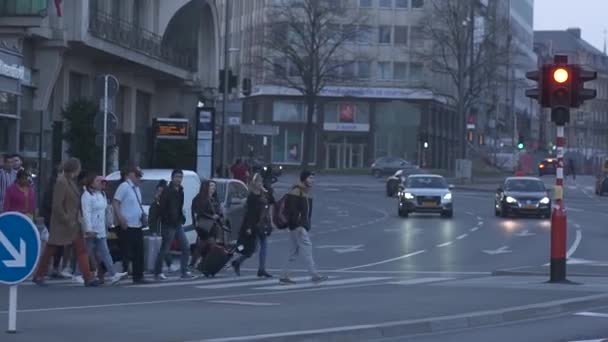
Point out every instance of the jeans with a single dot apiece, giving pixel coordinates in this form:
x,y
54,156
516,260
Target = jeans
x,y
98,247
135,239
263,243
168,234
123,246
300,244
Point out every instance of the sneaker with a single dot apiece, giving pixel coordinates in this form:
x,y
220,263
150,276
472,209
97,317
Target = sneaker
x,y
237,268
78,279
286,281
58,276
319,278
40,282
92,283
187,276
264,274
160,277
118,277
67,273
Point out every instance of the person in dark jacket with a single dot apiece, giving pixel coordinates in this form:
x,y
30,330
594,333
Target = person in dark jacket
x,y
171,213
256,226
206,212
298,205
154,218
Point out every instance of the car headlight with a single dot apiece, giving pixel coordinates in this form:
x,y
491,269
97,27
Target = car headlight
x,y
265,168
280,167
408,196
448,196
511,199
373,165
545,200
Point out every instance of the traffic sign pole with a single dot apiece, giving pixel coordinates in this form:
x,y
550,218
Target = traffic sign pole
x,y
559,220
12,310
105,125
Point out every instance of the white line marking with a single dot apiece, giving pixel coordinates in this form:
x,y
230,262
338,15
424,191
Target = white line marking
x,y
445,244
474,229
381,272
592,314
418,281
470,213
462,236
237,302
479,218
574,246
480,223
383,261
195,282
245,283
326,283
578,226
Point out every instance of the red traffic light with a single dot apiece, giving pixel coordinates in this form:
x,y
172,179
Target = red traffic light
x,y
561,75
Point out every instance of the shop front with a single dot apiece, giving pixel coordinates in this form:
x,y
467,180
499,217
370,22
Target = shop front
x,y
11,74
346,134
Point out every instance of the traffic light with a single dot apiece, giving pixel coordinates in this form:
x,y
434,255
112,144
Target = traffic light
x,y
580,93
539,94
246,86
521,143
232,81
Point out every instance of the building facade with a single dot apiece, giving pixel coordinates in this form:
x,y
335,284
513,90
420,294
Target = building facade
x,y
52,53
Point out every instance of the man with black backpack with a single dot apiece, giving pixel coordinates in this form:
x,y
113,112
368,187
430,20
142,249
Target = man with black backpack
x,y
298,213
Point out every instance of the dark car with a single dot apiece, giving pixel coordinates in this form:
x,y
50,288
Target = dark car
x,y
547,166
601,185
389,165
258,165
393,182
522,196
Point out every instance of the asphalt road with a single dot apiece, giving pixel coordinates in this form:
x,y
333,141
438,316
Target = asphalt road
x,y
382,268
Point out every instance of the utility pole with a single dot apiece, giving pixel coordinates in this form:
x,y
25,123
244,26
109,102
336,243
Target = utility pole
x,y
224,142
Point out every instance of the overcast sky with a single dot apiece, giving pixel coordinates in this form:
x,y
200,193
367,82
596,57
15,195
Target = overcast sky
x,y
590,15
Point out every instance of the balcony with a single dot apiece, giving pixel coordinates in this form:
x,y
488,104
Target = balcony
x,y
23,8
123,33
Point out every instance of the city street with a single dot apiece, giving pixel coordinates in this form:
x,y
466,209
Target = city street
x,y
389,278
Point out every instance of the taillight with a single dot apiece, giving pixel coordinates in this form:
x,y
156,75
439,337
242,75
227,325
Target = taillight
x,y
542,166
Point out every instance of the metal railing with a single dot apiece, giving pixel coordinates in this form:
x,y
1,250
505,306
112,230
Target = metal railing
x,y
121,32
19,8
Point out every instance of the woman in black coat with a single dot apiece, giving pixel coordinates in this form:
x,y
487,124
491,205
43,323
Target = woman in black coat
x,y
206,215
256,226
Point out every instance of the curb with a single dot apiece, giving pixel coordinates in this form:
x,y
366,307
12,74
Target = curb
x,y
533,273
431,325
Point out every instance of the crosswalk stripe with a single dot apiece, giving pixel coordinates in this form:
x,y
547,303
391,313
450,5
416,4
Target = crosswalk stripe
x,y
194,282
245,283
417,281
325,283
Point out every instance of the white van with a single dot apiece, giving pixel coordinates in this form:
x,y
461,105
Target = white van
x,y
149,181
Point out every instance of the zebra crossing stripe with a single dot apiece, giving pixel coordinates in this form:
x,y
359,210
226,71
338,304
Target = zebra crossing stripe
x,y
246,283
193,282
325,283
417,281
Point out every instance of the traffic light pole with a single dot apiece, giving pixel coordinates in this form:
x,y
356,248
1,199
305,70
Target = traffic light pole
x,y
559,220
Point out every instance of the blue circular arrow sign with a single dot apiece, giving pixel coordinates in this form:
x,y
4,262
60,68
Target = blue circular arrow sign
x,y
19,248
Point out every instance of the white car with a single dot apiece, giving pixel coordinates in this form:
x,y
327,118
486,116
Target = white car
x,y
425,193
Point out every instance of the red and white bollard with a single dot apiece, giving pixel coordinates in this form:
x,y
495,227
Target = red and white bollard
x,y
559,220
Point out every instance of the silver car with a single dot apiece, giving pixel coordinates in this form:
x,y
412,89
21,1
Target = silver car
x,y
425,193
232,195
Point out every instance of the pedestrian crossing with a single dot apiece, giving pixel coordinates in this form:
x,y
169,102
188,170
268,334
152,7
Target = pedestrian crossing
x,y
253,283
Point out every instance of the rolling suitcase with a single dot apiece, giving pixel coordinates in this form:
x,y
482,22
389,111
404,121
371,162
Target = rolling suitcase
x,y
152,246
217,257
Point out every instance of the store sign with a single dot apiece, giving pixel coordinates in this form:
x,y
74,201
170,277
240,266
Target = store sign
x,y
346,127
358,92
346,113
12,71
171,128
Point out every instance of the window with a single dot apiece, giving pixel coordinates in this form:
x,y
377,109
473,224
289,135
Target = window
x,y
365,35
8,103
416,71
287,146
236,190
417,3
400,35
384,70
348,70
386,3
293,70
384,35
284,111
279,66
349,32
364,69
399,71
402,4
417,33
365,3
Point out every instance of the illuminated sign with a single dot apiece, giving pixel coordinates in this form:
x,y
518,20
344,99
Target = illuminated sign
x,y
171,128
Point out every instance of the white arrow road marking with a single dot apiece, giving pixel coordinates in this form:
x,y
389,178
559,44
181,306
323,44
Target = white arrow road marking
x,y
525,233
474,229
592,314
577,241
343,248
501,250
600,340
445,244
18,256
462,236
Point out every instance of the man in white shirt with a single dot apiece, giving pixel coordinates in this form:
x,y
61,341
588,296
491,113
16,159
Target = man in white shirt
x,y
128,208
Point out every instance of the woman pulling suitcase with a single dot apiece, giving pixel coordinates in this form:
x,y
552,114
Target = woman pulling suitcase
x,y
207,216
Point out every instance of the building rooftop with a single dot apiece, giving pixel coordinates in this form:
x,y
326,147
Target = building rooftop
x,y
566,40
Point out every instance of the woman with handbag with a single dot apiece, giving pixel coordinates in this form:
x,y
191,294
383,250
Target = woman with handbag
x,y
66,221
206,215
256,227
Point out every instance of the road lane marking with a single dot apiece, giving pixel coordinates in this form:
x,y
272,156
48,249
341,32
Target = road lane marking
x,y
193,282
418,281
489,273
325,283
592,314
244,283
383,261
474,229
479,218
462,236
445,244
577,241
501,250
480,223
238,302
578,226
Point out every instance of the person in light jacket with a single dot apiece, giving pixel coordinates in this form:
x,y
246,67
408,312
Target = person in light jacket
x,y
94,205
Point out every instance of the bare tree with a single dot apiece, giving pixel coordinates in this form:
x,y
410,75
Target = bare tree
x,y
305,46
466,52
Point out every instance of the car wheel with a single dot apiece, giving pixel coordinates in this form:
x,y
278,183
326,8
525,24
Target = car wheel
x,y
447,214
496,212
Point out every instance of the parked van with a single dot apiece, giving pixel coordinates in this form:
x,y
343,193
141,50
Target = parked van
x,y
149,181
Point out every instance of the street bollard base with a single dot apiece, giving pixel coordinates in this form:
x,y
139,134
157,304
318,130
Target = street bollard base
x,y
558,270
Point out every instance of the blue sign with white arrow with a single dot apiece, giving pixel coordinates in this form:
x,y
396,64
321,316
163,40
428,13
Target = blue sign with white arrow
x,y
19,248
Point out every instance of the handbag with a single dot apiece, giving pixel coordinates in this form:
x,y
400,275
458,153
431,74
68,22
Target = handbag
x,y
143,219
204,223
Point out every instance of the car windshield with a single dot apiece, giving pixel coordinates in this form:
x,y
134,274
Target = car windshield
x,y
524,185
426,182
147,188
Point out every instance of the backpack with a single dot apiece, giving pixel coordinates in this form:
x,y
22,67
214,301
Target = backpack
x,y
279,215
